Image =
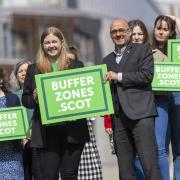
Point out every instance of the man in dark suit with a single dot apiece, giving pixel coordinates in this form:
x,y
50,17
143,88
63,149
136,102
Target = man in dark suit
x,y
130,72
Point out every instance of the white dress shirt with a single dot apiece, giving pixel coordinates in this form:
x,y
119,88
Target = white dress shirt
x,y
118,60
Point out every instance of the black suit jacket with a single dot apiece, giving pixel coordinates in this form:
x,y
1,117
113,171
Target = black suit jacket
x,y
134,94
77,131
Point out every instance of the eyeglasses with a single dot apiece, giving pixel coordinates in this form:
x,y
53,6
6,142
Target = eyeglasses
x,y
121,30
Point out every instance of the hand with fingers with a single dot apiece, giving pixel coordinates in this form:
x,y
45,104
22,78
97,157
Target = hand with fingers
x,y
111,76
35,95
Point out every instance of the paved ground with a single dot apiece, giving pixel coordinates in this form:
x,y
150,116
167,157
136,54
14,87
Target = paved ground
x,y
109,162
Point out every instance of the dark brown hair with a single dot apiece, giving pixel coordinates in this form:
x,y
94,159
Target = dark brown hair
x,y
3,82
171,26
74,50
137,22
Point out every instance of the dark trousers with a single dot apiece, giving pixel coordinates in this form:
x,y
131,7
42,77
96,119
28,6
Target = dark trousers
x,y
27,161
59,156
36,165
131,136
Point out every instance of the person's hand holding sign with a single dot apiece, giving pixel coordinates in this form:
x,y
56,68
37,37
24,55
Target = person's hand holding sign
x,y
111,76
35,95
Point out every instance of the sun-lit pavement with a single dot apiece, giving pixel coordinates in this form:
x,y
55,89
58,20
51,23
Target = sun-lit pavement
x,y
109,162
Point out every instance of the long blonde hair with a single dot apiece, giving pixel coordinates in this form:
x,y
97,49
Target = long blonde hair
x,y
43,64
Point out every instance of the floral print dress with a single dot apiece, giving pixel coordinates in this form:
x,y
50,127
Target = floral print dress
x,y
11,166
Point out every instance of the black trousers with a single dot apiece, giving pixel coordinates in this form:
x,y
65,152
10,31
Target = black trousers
x,y
36,165
27,161
58,157
131,137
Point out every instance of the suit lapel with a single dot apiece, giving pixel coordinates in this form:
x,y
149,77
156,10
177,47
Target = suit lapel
x,y
125,56
112,61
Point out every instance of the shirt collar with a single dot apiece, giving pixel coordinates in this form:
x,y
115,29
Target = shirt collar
x,y
117,53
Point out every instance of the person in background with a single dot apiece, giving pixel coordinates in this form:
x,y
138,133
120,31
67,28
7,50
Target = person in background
x,y
161,122
17,78
90,167
108,129
175,117
11,163
165,28
73,52
139,34
130,72
60,145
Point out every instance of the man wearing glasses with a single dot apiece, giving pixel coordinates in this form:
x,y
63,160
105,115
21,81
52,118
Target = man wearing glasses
x,y
130,72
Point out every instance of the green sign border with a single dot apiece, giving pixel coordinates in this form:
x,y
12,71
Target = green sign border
x,y
24,126
171,42
48,118
155,88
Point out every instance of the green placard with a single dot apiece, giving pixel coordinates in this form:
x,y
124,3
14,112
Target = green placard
x,y
174,50
13,123
73,94
166,77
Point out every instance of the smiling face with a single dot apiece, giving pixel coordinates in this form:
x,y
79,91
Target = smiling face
x,y
137,35
120,33
52,46
21,73
161,31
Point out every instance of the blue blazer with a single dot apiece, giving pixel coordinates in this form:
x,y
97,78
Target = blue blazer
x,y
12,100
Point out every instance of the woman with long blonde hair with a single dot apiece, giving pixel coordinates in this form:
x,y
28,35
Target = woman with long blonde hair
x,y
59,146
